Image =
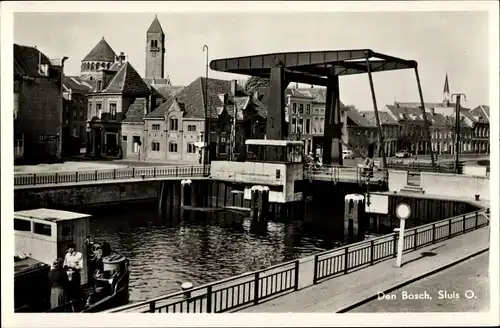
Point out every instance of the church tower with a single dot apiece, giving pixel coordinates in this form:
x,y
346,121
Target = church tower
x,y
155,51
446,91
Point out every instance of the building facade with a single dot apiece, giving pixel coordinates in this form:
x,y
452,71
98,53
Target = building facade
x,y
74,131
175,130
38,106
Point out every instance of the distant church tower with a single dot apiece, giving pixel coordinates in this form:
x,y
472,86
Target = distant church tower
x,y
155,51
446,91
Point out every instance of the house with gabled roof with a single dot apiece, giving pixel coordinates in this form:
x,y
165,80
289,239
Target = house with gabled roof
x,y
390,130
118,96
175,131
481,129
38,105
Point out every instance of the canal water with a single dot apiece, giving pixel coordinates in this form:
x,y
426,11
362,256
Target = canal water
x,y
166,248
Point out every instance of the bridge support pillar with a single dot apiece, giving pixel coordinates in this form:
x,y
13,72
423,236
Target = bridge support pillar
x,y
259,204
332,142
186,194
354,217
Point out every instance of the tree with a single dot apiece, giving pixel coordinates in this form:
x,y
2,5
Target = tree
x,y
254,83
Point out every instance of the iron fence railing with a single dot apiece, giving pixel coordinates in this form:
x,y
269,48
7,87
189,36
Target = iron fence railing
x,y
342,174
365,253
225,295
254,287
242,176
109,174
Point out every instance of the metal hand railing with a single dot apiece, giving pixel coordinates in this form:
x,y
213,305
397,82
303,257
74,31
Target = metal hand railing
x,y
23,179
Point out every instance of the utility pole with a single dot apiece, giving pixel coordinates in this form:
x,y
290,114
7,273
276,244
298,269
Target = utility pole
x,y
457,127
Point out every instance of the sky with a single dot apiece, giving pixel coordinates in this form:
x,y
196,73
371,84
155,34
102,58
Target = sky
x,y
441,42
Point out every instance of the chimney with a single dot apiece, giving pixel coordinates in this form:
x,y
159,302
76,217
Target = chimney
x,y
234,84
121,57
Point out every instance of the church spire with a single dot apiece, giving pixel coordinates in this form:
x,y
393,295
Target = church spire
x,y
446,90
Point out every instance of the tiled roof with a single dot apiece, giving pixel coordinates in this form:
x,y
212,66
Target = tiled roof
x,y
165,91
427,104
192,96
384,117
481,111
317,94
135,112
77,85
101,52
359,119
26,60
160,111
127,81
155,26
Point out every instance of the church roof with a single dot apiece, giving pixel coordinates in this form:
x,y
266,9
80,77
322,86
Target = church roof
x,y
101,52
155,26
127,81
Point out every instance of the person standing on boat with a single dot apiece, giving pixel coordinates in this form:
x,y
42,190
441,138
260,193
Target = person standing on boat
x,y
73,262
59,281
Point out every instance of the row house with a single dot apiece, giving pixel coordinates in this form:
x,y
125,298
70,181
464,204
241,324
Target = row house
x,y
38,106
481,129
74,131
390,131
175,130
305,112
360,132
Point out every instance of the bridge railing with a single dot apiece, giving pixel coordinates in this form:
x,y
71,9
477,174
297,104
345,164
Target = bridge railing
x,y
254,287
337,173
242,176
365,253
23,179
225,295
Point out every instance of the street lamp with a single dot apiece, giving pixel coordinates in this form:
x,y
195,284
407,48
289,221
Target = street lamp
x,y
205,149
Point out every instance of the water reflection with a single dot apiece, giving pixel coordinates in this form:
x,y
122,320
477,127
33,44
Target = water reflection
x,y
166,249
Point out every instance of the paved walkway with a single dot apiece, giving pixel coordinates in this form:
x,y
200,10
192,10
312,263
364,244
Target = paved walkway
x,y
340,293
461,288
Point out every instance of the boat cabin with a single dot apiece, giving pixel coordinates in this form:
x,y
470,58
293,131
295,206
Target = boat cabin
x,y
43,234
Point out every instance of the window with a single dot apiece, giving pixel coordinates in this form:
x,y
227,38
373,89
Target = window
x,y
191,149
294,125
173,124
316,110
191,127
308,122
19,146
155,127
82,113
99,85
99,110
89,112
155,146
74,131
112,110
223,148
42,229
75,115
172,147
136,144
301,109
316,125
308,109
294,108
301,122
124,138
82,131
22,225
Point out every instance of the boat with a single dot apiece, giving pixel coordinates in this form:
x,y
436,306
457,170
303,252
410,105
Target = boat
x,y
41,236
